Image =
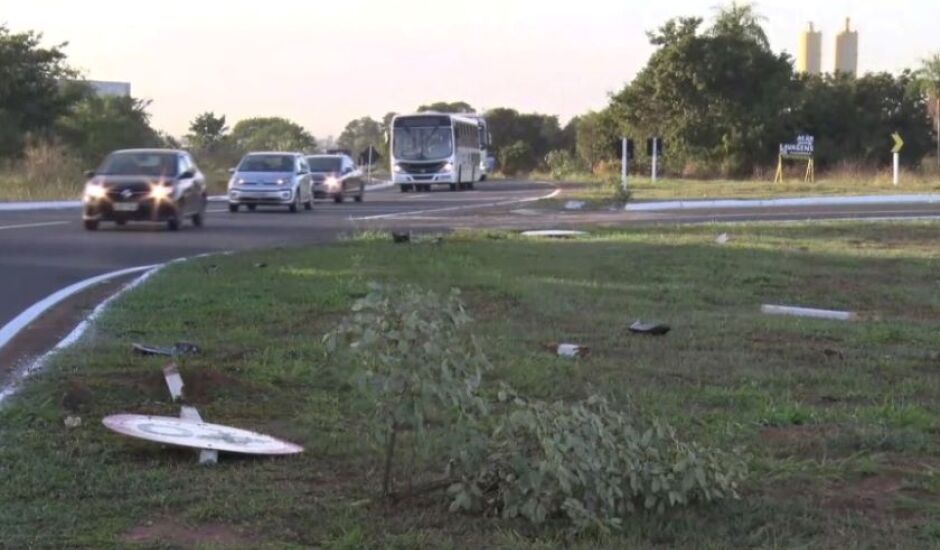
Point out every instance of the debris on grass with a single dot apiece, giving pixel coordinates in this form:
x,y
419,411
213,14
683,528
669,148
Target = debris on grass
x,y
724,238
569,350
554,234
809,312
72,422
574,205
176,350
652,329
401,237
261,265
174,382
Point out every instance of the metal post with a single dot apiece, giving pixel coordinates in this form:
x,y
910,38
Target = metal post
x,y
370,165
897,168
625,166
655,157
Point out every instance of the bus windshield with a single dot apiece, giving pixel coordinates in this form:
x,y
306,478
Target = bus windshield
x,y
423,143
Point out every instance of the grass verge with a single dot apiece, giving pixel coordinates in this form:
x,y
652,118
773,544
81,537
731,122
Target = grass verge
x,y
840,420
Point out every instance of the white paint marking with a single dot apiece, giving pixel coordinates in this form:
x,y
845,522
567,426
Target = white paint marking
x,y
809,312
551,195
31,225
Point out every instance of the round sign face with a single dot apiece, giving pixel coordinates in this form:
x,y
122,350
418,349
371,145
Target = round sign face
x,y
198,435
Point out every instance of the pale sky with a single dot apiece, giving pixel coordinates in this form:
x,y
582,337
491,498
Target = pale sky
x,y
323,63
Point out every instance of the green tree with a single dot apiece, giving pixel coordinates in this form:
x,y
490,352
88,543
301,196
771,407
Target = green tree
x,y
98,125
742,21
717,97
928,77
32,97
271,134
360,134
540,133
447,107
207,132
516,158
595,137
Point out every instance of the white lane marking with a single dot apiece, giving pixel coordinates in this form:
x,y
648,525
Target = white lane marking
x,y
777,203
11,329
23,373
30,225
551,195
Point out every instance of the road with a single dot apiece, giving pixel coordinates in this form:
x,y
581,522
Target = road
x,y
45,250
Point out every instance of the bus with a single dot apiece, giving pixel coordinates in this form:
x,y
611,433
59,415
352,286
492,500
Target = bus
x,y
487,162
430,149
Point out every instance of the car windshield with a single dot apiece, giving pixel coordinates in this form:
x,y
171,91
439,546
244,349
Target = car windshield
x,y
423,143
267,163
324,164
139,164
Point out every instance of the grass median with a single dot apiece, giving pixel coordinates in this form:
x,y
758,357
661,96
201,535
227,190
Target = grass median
x,y
840,421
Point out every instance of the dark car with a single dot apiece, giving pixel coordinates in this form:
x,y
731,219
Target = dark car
x,y
154,185
336,177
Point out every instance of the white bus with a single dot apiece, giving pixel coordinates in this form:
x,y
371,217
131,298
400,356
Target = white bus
x,y
435,149
487,162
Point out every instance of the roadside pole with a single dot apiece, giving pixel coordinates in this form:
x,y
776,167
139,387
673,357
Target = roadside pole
x,y
370,165
898,145
655,157
625,165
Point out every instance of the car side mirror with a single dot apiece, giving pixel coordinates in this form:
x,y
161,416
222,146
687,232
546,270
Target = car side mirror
x,y
231,171
89,174
188,174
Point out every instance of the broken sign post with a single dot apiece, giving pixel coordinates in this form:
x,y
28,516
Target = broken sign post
x,y
198,435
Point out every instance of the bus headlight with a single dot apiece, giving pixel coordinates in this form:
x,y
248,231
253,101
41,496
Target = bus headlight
x,y
449,167
398,169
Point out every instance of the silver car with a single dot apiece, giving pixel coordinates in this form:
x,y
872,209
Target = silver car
x,y
271,179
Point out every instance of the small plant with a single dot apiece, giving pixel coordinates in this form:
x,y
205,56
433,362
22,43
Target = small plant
x,y
420,361
592,465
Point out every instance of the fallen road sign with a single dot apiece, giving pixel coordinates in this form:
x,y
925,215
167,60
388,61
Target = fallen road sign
x,y
180,432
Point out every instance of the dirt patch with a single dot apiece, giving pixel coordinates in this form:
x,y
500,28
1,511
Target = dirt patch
x,y
874,495
174,533
77,398
806,440
203,384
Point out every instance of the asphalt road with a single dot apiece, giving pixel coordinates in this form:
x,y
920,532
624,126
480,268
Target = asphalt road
x,y
44,251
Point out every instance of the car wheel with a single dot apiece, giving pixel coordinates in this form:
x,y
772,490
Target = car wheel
x,y
405,188
471,186
361,195
295,206
233,208
338,198
91,225
308,205
252,207
173,224
199,220
121,222
453,187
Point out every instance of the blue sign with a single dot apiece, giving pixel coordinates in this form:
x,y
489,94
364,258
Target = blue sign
x,y
805,147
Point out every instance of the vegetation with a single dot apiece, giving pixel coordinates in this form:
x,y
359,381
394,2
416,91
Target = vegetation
x,y
837,421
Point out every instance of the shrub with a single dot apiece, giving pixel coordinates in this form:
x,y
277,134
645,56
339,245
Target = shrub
x,y
561,163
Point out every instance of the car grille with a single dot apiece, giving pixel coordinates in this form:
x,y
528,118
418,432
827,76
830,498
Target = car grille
x,y
137,191
411,168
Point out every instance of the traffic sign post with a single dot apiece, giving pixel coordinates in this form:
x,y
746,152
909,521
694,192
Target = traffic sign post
x,y
626,153
654,147
896,150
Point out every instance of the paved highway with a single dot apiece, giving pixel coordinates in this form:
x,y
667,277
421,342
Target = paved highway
x,y
43,251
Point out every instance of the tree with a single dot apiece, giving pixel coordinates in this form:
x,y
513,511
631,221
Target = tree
x,y
271,134
540,133
207,132
360,134
98,125
445,107
596,133
32,97
741,21
719,97
516,158
928,78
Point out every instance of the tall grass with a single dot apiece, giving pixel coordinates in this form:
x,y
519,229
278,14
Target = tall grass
x,y
47,171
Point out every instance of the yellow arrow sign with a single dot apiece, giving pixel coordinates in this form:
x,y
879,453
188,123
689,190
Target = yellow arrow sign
x,y
898,143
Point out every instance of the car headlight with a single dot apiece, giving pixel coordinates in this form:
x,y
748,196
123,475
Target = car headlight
x,y
283,181
160,192
95,191
449,167
332,183
398,169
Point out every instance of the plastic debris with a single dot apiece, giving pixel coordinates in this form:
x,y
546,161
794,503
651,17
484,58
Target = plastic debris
x,y
809,312
72,422
176,350
174,382
574,205
401,238
652,329
554,234
570,350
724,238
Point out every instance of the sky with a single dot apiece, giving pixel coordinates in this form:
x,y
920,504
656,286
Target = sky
x,y
324,63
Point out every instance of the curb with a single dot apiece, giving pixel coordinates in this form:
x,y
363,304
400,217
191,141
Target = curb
x,y
782,203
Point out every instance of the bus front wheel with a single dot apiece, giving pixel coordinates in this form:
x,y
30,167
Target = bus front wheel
x,y
405,188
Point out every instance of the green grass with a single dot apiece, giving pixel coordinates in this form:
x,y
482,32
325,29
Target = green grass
x,y
840,421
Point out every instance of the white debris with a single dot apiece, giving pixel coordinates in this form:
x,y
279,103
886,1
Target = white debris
x,y
809,312
554,233
73,422
723,239
574,205
571,350
174,382
206,457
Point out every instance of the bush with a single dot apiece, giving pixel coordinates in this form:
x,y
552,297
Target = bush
x,y
562,163
515,158
592,465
